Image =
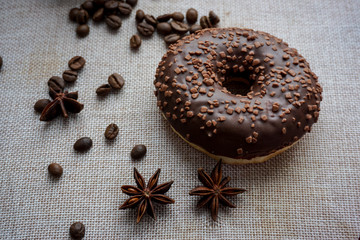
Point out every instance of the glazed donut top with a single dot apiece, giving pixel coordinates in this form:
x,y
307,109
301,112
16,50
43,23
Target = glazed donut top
x,y
282,104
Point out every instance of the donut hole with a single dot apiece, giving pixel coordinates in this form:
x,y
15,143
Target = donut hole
x,y
238,83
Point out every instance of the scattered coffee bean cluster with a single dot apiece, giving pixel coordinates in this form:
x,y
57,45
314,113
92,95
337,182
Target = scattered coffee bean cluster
x,y
109,11
115,82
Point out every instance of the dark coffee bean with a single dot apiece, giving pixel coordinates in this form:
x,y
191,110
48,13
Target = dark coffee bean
x,y
191,16
179,27
205,22
164,28
150,19
111,5
76,63
116,81
82,16
125,9
113,21
98,15
88,6
103,90
111,131
82,30
56,83
73,14
77,230
178,16
172,38
164,17
138,151
145,29
41,104
195,28
99,2
139,17
70,76
55,170
135,41
132,2
83,144
1,62
214,19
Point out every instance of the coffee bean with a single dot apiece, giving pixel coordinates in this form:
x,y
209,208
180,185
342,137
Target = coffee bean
x,y
164,28
179,27
214,19
150,19
116,81
139,17
77,230
205,22
88,6
172,38
132,2
82,30
195,28
191,16
145,29
82,16
138,151
111,131
113,21
164,17
83,144
41,104
1,62
56,83
135,41
178,16
98,15
111,5
99,2
55,170
103,90
73,14
124,8
76,63
70,76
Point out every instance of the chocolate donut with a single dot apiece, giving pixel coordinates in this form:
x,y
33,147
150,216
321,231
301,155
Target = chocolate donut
x,y
273,101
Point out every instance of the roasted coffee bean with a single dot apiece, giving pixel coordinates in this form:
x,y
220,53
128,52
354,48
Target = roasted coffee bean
x,y
132,2
214,19
138,151
83,144
195,28
179,27
82,30
111,131
113,21
88,6
99,2
82,16
77,230
55,170
111,5
205,22
164,28
135,41
191,16
73,14
103,90
1,62
56,83
145,29
41,104
178,16
76,63
150,19
70,76
124,8
116,81
164,17
98,15
171,38
139,17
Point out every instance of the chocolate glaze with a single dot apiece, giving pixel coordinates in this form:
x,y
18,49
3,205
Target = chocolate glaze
x,y
283,102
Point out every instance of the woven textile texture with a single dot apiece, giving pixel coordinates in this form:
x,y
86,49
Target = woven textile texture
x,y
311,191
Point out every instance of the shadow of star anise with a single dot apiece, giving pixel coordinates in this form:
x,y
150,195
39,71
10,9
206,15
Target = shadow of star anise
x,y
214,190
144,195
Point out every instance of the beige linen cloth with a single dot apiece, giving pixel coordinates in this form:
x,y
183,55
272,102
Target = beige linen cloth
x,y
311,191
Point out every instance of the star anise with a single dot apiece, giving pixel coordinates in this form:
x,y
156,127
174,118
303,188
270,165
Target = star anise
x,y
214,190
144,195
63,102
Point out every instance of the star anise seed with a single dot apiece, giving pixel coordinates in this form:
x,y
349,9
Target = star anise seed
x,y
144,195
214,190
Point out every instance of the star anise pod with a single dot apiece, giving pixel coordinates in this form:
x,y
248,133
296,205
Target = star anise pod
x,y
143,195
63,102
214,190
